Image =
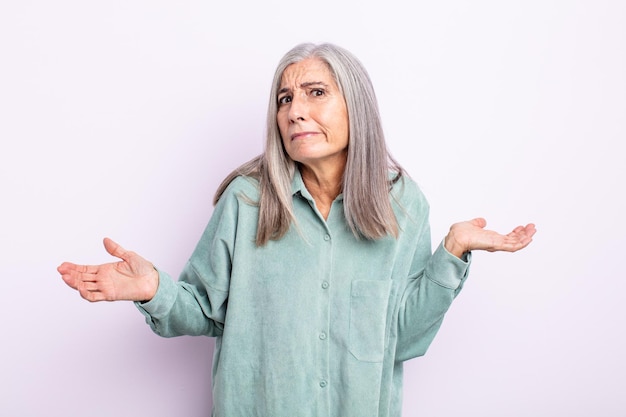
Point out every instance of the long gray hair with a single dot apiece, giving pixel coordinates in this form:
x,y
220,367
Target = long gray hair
x,y
370,170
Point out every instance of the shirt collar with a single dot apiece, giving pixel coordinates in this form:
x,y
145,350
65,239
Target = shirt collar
x,y
298,187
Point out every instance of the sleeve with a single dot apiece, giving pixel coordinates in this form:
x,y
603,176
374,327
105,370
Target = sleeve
x,y
196,304
433,283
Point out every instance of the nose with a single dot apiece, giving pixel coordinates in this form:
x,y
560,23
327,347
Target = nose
x,y
298,109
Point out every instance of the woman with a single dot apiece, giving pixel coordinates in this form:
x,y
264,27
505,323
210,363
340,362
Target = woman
x,y
315,272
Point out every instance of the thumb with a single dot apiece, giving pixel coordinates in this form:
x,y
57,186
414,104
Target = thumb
x,y
114,249
479,222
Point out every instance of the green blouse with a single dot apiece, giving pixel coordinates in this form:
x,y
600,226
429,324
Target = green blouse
x,y
317,323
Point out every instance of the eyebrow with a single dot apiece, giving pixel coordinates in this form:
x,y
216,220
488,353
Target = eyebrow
x,y
303,85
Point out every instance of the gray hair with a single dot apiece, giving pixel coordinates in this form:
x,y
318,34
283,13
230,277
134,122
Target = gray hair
x,y
370,170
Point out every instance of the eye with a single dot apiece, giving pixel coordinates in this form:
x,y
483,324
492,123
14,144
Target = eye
x,y
317,92
284,100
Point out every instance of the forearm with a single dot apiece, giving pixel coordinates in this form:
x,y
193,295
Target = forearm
x,y
179,308
426,299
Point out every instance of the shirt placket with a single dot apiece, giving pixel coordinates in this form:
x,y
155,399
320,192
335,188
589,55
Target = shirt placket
x,y
324,330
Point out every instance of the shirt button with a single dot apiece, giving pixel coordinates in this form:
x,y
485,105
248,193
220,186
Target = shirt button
x,y
325,284
327,237
323,335
323,384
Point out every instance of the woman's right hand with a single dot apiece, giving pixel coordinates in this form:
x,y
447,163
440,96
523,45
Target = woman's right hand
x,y
472,235
132,278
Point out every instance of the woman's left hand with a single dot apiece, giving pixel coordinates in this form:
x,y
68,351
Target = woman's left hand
x,y
472,235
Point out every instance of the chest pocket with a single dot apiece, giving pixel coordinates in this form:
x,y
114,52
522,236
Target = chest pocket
x,y
368,316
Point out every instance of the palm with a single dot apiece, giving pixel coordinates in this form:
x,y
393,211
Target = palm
x,y
131,278
472,235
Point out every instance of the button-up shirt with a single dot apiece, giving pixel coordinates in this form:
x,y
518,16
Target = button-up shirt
x,y
317,323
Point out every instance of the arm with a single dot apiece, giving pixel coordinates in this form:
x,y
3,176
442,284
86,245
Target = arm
x,y
439,277
194,305
170,308
433,283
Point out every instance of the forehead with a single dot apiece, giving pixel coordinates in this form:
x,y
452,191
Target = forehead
x,y
306,71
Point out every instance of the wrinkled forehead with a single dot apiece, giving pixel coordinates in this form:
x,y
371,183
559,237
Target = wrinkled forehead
x,y
309,70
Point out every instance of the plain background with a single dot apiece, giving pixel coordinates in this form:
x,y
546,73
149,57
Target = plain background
x,y
120,118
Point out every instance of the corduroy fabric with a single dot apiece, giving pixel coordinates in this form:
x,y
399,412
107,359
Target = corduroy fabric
x,y
318,323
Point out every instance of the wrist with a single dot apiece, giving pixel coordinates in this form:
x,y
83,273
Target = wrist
x,y
452,245
151,286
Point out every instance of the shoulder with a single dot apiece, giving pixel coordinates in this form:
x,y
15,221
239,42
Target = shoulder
x,y
235,210
407,193
241,188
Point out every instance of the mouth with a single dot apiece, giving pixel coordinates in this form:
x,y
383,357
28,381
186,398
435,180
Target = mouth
x,y
302,135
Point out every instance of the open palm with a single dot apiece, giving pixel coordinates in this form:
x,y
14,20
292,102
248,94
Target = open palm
x,y
472,235
132,278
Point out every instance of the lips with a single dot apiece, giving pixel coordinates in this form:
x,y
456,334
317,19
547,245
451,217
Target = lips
x,y
302,135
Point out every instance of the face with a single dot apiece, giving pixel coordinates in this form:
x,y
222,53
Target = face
x,y
312,115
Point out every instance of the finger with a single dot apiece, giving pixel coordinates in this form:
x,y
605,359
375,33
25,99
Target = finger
x,y
82,273
65,267
520,242
531,229
518,229
68,267
90,286
71,281
479,222
114,248
91,296
90,290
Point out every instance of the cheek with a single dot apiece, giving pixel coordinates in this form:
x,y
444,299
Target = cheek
x,y
346,127
342,126
285,143
282,127
338,115
283,130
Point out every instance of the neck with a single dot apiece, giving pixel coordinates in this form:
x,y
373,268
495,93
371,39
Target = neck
x,y
324,185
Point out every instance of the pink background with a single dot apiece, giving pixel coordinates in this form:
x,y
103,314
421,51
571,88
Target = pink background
x,y
119,119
